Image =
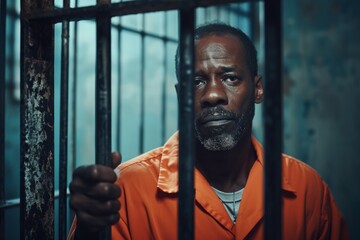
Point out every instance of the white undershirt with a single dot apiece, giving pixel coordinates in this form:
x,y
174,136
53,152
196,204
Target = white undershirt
x,y
231,201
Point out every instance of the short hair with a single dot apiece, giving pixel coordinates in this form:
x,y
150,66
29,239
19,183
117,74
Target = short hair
x,y
222,29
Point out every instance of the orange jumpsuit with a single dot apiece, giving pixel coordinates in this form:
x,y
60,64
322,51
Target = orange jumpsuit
x,y
149,205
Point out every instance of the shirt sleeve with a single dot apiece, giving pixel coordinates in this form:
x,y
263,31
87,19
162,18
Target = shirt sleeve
x,y
333,225
119,231
72,230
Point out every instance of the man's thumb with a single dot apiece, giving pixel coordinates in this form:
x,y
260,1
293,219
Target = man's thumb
x,y
116,159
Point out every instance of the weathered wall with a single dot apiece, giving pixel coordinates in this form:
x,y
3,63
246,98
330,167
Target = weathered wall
x,y
322,94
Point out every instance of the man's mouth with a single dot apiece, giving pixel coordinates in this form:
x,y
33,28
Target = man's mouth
x,y
217,123
216,120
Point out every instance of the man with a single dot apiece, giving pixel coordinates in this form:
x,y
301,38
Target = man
x,y
229,166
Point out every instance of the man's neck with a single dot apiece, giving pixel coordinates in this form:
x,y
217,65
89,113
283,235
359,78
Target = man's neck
x,y
227,170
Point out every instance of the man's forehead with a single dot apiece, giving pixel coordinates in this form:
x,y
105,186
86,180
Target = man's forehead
x,y
213,49
215,46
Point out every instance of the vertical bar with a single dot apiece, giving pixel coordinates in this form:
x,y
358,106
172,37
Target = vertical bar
x,y
74,94
37,124
142,88
206,14
253,20
64,125
164,86
273,119
2,114
186,124
73,105
103,95
217,10
118,135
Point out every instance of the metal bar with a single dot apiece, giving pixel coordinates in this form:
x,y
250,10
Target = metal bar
x,y
120,9
73,105
64,108
118,135
103,94
11,203
186,124
2,113
164,85
74,94
148,34
37,124
142,89
273,119
253,20
217,10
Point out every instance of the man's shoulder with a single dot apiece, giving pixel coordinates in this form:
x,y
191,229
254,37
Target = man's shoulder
x,y
295,164
300,173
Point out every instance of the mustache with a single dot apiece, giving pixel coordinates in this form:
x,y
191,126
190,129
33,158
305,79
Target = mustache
x,y
216,113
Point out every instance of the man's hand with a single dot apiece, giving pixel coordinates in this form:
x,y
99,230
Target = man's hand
x,y
94,197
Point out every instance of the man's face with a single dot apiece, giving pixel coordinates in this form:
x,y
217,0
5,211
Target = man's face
x,y
224,92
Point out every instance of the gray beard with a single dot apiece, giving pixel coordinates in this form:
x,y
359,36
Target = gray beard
x,y
228,140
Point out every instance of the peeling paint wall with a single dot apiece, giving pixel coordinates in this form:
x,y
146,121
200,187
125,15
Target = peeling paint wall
x,y
322,94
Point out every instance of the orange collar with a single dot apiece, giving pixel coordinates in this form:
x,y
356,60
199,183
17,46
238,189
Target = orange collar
x,y
168,174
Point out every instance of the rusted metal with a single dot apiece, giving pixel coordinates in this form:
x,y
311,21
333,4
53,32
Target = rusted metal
x,y
121,9
64,103
272,110
15,202
103,90
103,94
37,124
186,124
2,114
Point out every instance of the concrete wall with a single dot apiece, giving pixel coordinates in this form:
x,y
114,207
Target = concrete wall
x,y
322,95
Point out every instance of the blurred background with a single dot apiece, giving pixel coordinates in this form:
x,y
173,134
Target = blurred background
x,y
321,90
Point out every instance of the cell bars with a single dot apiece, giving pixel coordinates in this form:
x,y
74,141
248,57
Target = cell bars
x,y
37,108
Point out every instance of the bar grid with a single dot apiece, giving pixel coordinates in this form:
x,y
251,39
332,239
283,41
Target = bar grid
x,y
102,12
120,9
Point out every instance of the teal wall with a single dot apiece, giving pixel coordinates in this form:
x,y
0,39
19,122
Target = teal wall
x,y
322,94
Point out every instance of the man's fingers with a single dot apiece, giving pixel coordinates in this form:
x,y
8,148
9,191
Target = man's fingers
x,y
116,159
95,223
94,207
101,190
95,173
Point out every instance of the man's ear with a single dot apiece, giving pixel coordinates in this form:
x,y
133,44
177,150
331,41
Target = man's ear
x,y
259,89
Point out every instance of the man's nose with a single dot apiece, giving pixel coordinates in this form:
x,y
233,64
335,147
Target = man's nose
x,y
213,94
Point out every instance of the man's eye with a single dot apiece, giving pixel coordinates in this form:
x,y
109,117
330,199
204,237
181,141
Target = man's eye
x,y
231,79
198,82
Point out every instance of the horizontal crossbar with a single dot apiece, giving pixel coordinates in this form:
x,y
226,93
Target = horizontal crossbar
x,y
118,9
